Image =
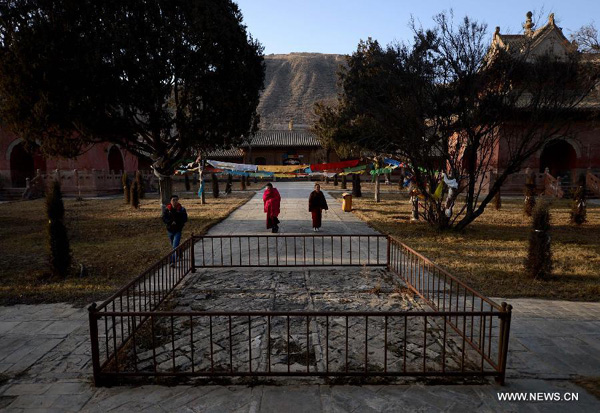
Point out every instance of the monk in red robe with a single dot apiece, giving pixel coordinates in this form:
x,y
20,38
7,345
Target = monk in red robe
x,y
316,205
272,201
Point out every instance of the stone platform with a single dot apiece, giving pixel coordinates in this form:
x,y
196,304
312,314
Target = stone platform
x,y
292,341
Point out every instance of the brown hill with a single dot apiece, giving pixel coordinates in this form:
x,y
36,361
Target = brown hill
x,y
293,83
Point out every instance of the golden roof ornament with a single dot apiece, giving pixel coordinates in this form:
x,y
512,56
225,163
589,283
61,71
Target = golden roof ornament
x,y
528,24
551,19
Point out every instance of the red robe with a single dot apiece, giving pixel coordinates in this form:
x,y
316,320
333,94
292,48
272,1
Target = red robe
x,y
272,201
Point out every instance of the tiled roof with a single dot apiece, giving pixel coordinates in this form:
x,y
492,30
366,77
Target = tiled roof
x,y
512,38
226,153
280,138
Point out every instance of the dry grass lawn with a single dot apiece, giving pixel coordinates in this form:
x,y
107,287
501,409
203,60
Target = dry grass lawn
x,y
591,384
489,254
114,242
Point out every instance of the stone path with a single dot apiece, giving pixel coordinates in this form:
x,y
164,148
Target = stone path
x,y
294,216
45,360
279,343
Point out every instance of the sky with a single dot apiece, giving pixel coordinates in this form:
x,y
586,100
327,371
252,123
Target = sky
x,y
336,26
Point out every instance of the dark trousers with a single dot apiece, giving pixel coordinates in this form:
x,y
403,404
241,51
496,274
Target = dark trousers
x,y
175,238
272,223
316,218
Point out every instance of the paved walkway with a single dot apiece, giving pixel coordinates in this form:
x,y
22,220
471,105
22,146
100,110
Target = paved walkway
x,y
294,216
45,354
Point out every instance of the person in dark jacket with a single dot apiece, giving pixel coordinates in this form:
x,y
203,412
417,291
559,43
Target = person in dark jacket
x,y
175,217
316,205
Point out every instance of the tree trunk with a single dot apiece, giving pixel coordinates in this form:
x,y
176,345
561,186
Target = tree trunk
x,y
165,185
414,200
215,185
356,191
202,188
344,185
377,189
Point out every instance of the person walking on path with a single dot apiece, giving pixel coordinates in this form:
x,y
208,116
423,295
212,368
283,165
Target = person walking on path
x,y
316,205
175,217
272,201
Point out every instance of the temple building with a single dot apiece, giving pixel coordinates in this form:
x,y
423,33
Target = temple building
x,y
562,160
292,146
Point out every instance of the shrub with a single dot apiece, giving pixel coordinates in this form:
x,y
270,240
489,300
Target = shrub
x,y
529,195
538,263
141,187
135,195
58,240
578,207
125,185
215,185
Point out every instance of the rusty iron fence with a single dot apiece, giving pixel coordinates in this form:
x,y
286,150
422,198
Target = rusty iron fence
x,y
482,324
132,335
291,250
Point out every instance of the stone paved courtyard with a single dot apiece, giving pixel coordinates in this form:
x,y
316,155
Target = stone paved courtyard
x,y
45,355
271,346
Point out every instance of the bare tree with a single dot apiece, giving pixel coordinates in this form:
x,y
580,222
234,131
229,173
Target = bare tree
x,y
447,101
587,38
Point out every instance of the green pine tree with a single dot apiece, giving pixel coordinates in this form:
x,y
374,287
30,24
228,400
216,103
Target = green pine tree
x,y
135,197
58,241
126,187
538,263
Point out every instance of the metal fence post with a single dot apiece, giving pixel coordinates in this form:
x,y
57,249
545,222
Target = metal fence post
x,y
192,255
504,337
93,314
389,240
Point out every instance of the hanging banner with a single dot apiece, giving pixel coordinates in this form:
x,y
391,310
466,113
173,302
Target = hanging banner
x,y
359,168
211,170
280,168
394,163
353,173
380,171
233,166
261,174
286,175
335,165
237,173
201,189
450,182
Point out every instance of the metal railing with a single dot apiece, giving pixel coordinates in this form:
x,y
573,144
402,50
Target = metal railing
x,y
110,334
291,250
481,323
134,334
